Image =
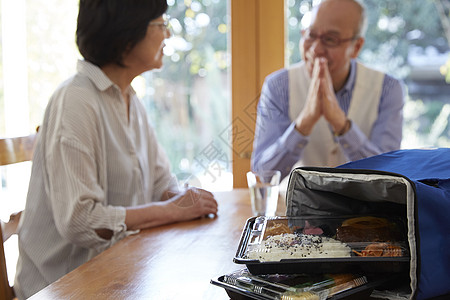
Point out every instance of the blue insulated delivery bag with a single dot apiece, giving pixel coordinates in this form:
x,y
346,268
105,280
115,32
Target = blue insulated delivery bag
x,y
411,184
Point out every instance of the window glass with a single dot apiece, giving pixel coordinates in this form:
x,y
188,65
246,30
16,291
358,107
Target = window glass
x,y
188,100
409,40
38,53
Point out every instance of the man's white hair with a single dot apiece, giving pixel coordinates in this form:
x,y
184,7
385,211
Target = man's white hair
x,y
362,26
363,22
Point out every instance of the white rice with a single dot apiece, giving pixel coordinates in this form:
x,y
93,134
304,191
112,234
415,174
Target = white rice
x,y
293,246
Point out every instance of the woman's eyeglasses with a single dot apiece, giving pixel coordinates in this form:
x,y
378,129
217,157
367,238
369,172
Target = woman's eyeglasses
x,y
161,24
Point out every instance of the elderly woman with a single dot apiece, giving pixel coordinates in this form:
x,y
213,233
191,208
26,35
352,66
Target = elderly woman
x,y
98,172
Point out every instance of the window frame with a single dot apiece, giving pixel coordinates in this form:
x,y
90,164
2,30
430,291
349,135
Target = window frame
x,y
257,49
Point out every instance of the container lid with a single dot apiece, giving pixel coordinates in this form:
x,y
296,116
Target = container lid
x,y
297,286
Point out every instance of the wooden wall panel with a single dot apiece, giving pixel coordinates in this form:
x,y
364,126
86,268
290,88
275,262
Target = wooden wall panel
x,y
257,49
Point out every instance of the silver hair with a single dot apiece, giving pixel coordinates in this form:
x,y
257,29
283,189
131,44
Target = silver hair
x,y
363,22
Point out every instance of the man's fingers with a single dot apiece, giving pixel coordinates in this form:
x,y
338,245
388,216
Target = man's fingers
x,y
316,69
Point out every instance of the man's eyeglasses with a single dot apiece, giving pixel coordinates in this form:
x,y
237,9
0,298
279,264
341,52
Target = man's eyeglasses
x,y
161,24
328,40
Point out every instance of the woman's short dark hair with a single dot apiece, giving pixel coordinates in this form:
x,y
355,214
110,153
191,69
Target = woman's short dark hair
x,y
106,29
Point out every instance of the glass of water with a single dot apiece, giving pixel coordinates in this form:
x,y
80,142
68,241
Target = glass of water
x,y
264,187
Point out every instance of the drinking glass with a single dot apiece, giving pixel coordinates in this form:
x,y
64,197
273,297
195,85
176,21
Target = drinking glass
x,y
264,187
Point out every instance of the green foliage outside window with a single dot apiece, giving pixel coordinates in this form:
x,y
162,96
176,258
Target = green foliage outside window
x,y
445,70
189,100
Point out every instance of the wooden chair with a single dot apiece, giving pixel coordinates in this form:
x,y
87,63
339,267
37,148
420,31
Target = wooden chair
x,y
12,150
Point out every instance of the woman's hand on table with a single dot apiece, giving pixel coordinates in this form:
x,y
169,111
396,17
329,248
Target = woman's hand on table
x,y
185,205
193,203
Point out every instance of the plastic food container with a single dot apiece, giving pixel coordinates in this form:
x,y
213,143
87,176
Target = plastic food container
x,y
241,284
347,244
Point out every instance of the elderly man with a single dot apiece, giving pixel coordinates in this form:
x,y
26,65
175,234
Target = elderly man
x,y
328,109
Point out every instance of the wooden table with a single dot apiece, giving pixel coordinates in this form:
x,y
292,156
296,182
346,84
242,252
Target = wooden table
x,y
169,262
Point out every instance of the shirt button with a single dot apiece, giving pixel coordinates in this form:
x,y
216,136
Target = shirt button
x,y
345,145
300,146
